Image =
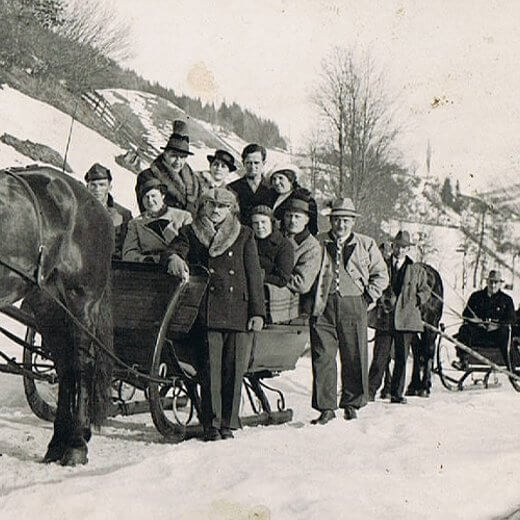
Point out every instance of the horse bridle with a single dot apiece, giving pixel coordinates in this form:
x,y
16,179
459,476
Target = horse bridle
x,y
37,277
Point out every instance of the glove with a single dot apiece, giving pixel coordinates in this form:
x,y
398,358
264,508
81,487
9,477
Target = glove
x,y
255,323
178,267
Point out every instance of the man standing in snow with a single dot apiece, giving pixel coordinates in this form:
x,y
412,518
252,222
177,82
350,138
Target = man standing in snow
x,y
170,167
252,189
353,274
99,183
401,320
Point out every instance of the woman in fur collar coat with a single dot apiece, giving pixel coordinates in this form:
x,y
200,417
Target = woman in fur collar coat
x,y
150,233
232,306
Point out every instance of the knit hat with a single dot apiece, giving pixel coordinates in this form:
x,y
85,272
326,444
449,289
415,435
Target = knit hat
x,y
262,209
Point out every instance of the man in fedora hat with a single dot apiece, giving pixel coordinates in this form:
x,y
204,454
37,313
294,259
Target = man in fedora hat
x,y
221,165
352,275
487,319
99,183
154,229
252,189
170,167
400,317
232,306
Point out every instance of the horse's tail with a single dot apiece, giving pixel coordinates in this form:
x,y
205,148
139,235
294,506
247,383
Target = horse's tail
x,y
102,377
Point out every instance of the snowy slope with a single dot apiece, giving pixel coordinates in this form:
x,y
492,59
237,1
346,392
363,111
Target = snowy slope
x,y
27,118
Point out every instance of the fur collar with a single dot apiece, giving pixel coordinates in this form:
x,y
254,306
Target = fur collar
x,y
216,240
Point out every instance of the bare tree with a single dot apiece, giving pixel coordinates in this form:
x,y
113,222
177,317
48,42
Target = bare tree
x,y
350,95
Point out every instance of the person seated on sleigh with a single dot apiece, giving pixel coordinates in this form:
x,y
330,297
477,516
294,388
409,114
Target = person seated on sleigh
x,y
488,317
153,230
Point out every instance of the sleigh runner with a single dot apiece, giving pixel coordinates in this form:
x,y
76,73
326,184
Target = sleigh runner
x,y
153,313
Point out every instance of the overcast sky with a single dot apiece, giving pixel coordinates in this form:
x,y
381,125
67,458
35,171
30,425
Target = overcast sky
x,y
266,56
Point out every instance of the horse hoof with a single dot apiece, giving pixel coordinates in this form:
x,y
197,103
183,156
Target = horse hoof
x,y
54,454
74,457
424,393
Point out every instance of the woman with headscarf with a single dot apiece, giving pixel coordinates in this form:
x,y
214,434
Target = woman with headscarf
x,y
151,233
284,181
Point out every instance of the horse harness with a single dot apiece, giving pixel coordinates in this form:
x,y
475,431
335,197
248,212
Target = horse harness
x,y
37,277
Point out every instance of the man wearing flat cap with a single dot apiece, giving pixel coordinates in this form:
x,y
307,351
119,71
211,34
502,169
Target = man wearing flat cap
x,y
170,167
221,165
487,319
232,307
400,317
99,183
352,275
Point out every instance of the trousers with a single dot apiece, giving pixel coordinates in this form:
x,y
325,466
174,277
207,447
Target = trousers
x,y
223,360
343,327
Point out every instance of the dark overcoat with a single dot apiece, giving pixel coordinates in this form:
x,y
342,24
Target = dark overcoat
x,y
120,218
276,258
235,292
248,199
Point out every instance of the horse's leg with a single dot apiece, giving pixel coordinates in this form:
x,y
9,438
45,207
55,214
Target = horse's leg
x,y
66,389
415,382
428,352
92,373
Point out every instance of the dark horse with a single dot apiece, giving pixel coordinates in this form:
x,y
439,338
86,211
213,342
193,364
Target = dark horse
x,y
423,345
56,245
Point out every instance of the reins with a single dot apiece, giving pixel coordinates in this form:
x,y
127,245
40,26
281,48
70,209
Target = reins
x,y
37,279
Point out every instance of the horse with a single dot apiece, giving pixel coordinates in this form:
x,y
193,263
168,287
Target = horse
x,y
423,345
55,253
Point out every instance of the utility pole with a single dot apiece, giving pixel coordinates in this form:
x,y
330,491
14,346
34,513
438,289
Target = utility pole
x,y
480,243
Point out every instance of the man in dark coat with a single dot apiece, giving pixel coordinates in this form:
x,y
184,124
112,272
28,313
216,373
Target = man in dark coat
x,y
487,317
252,189
99,183
401,318
170,167
232,306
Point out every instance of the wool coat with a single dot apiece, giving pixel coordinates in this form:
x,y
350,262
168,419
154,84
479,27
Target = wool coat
x,y
276,255
414,292
235,292
365,265
147,237
184,188
307,258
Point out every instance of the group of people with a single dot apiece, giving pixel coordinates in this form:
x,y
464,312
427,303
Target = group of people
x,y
259,240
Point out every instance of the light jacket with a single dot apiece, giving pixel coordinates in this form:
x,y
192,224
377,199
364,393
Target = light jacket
x,y
143,242
365,265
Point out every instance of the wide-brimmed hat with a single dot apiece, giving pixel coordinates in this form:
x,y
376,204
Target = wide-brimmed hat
x,y
402,239
98,172
342,207
179,141
225,157
297,205
495,276
221,196
291,171
151,184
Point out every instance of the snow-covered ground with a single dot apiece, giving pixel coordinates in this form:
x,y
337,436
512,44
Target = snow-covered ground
x,y
455,455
